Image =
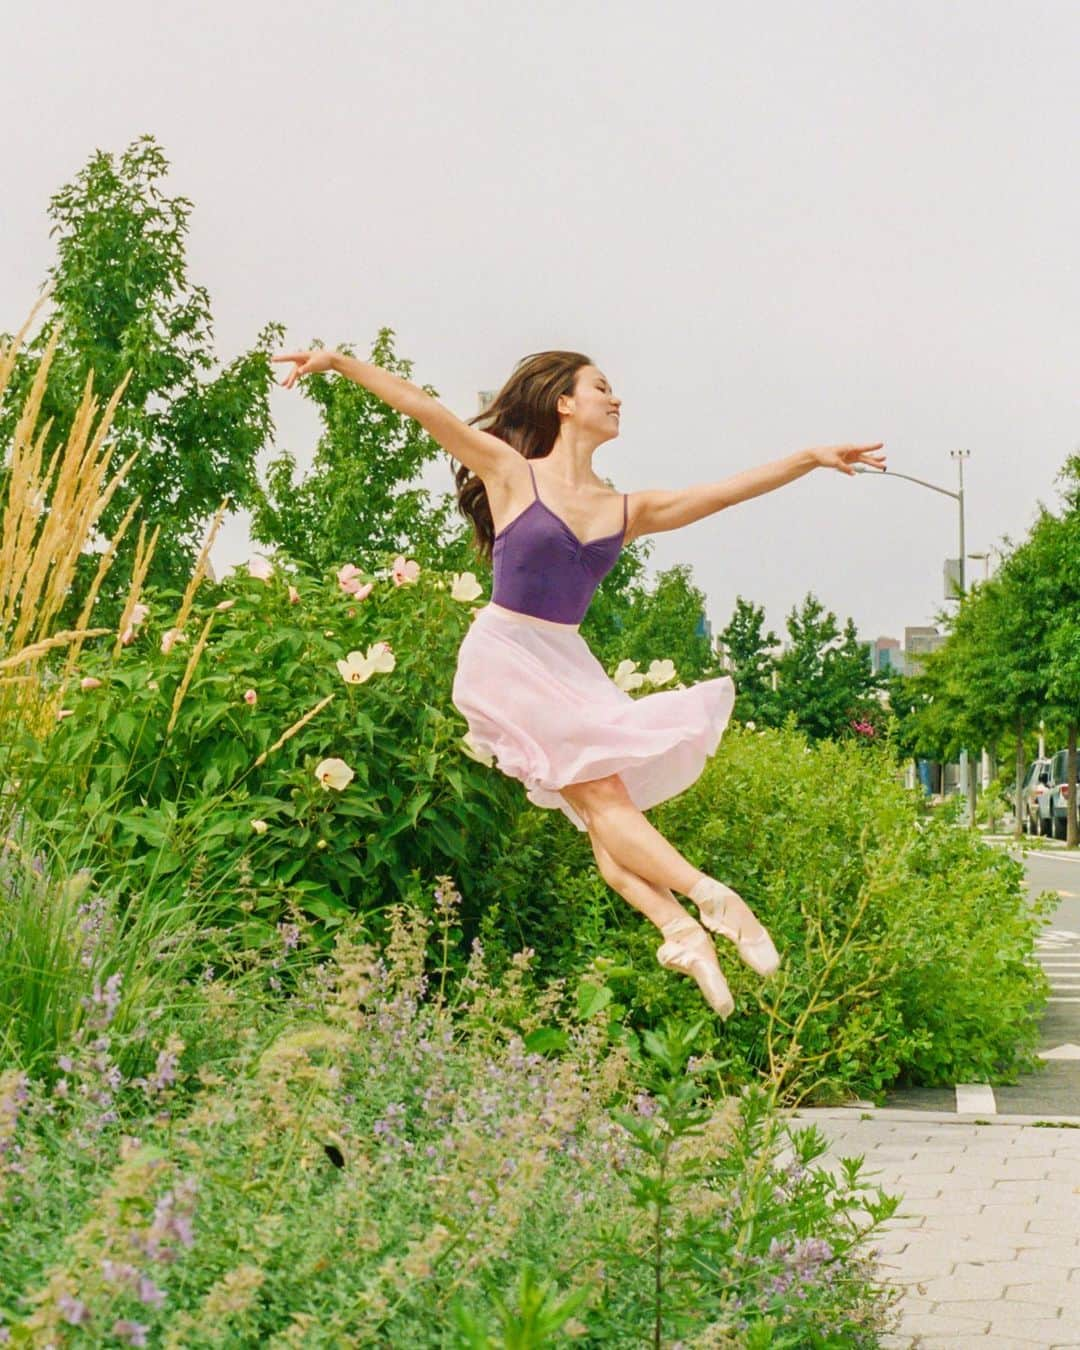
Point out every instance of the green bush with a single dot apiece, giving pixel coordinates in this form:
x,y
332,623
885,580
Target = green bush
x,y
907,945
158,771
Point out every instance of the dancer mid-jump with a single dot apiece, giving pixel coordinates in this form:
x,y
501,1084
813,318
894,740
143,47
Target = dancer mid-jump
x,y
528,685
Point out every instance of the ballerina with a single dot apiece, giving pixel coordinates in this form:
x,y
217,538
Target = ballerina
x,y
527,684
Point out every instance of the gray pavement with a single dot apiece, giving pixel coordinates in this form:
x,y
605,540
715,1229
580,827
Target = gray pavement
x,y
985,1247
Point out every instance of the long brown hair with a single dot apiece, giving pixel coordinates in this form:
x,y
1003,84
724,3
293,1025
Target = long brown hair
x,y
524,413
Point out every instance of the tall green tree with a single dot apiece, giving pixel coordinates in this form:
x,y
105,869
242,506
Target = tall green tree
x,y
908,698
122,300
355,502
1051,608
826,681
749,651
667,622
985,683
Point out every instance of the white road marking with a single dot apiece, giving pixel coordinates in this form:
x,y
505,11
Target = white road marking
x,y
975,1097
1066,1051
1063,1000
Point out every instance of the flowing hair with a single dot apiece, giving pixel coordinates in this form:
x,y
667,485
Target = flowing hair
x,y
524,414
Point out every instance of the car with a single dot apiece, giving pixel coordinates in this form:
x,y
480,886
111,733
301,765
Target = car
x,y
1053,804
1034,787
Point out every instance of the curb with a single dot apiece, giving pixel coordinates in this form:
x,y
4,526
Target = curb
x,y
896,1113
1058,849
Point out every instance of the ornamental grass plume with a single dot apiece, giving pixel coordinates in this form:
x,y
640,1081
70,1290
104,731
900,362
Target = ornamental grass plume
x,y
291,731
189,671
134,612
199,571
104,563
48,520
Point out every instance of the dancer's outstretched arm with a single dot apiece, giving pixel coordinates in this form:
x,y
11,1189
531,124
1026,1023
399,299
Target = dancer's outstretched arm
x,y
669,510
484,454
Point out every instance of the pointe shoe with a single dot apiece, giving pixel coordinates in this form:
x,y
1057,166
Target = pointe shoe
x,y
689,949
711,898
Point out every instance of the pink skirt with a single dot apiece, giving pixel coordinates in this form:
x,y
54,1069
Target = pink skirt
x,y
537,699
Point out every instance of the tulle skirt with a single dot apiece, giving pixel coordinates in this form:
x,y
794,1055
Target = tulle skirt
x,y
537,699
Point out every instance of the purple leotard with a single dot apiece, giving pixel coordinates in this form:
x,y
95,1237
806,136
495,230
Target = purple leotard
x,y
542,568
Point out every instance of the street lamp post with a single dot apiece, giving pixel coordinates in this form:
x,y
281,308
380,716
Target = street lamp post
x,y
959,456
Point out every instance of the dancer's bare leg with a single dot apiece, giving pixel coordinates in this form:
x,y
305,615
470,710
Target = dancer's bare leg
x,y
656,902
687,946
639,848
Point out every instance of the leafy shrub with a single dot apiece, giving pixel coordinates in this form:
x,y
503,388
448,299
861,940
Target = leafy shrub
x,y
908,944
201,759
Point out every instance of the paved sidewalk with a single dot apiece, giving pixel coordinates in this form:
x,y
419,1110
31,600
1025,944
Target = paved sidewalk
x,y
986,1241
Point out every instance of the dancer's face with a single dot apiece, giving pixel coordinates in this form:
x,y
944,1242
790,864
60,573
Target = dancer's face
x,y
595,407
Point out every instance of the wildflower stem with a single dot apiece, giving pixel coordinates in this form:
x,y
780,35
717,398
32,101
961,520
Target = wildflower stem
x,y
658,1250
287,735
293,1145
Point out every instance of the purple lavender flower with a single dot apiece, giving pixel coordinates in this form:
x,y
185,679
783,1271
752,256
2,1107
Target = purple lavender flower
x,y
119,1272
10,1104
645,1104
164,1072
73,1310
103,1003
132,1332
148,1292
810,1253
94,926
386,1127
290,935
171,1221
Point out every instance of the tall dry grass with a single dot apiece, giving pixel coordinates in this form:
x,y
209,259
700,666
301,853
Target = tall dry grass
x,y
50,512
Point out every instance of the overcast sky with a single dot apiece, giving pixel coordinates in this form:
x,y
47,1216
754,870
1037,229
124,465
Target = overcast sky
x,y
772,226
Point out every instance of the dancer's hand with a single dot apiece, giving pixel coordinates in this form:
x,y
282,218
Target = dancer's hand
x,y
844,457
305,363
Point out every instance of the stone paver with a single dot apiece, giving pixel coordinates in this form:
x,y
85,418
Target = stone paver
x,y
986,1242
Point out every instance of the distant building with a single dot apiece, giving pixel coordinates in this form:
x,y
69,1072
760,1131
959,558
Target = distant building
x,y
919,642
886,655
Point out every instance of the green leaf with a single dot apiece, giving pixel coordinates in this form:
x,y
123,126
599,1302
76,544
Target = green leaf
x,y
325,906
592,998
543,1039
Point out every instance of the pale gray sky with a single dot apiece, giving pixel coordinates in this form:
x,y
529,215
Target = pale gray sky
x,y
772,226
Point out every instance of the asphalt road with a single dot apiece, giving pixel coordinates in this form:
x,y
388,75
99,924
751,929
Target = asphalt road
x,y
1055,1089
